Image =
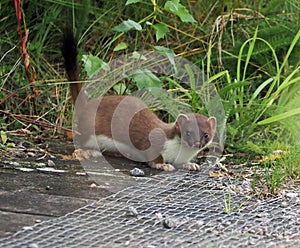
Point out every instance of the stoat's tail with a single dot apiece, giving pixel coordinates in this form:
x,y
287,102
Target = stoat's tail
x,y
69,52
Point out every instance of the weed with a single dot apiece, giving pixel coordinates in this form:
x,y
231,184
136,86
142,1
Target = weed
x,y
289,163
247,51
227,203
4,140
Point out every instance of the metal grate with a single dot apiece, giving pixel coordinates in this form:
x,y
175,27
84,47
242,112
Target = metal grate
x,y
172,210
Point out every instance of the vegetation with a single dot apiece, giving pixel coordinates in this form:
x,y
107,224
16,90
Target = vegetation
x,y
249,49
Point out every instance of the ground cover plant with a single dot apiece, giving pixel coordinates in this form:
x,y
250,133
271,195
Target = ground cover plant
x,y
248,49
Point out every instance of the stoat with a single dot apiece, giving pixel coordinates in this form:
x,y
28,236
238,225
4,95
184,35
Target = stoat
x,y
125,124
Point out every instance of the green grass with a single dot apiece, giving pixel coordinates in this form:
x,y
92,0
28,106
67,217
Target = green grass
x,y
249,53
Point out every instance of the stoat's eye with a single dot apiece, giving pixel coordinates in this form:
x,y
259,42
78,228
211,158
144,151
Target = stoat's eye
x,y
206,135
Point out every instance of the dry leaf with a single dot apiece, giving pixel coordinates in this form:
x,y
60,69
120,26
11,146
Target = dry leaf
x,y
217,174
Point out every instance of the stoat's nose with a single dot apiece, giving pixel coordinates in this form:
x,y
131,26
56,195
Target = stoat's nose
x,y
197,144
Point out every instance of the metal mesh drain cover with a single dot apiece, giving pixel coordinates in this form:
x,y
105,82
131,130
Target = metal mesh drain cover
x,y
173,210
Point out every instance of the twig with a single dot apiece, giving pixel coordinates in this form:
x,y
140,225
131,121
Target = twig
x,y
21,119
15,92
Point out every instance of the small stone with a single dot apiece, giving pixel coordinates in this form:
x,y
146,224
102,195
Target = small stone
x,y
227,223
200,222
50,163
170,222
291,195
27,228
137,172
31,154
133,211
159,216
93,185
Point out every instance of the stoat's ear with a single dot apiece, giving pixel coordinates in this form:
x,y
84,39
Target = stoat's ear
x,y
212,122
180,120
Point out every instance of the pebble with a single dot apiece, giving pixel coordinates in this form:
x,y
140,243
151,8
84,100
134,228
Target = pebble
x,y
200,222
27,228
284,204
31,154
50,162
159,216
170,222
133,211
227,223
137,172
93,185
291,195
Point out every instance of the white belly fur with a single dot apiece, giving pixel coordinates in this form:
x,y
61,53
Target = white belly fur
x,y
177,154
173,152
103,143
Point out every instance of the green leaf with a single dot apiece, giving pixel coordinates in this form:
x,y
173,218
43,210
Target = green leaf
x,y
121,88
3,137
164,50
137,55
168,53
178,9
36,127
133,1
10,144
161,31
120,46
259,89
127,25
172,6
280,117
92,64
145,79
192,80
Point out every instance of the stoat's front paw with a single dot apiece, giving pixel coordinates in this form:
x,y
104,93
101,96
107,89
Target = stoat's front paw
x,y
191,166
164,167
82,154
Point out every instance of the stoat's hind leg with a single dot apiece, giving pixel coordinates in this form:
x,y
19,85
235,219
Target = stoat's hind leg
x,y
86,154
191,166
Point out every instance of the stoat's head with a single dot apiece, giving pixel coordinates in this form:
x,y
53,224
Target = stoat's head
x,y
196,131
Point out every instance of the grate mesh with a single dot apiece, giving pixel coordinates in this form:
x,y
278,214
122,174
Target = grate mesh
x,y
173,210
